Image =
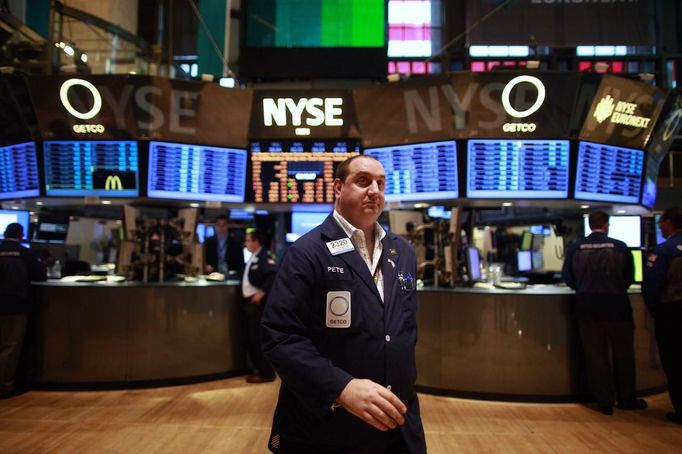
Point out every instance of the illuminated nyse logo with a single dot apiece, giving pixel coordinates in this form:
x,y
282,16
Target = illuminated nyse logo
x,y
620,113
113,183
318,111
96,106
506,104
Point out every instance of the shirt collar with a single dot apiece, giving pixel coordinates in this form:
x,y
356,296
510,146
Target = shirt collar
x,y
349,229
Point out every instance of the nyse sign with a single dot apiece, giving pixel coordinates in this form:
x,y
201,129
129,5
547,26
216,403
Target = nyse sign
x,y
146,98
284,112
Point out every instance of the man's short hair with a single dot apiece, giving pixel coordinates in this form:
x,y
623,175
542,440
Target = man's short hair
x,y
343,169
257,235
674,215
598,220
14,231
222,217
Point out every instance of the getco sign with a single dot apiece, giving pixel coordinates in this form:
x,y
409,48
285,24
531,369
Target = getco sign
x,y
506,104
96,106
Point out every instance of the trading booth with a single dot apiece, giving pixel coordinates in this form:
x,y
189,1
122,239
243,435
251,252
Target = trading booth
x,y
462,141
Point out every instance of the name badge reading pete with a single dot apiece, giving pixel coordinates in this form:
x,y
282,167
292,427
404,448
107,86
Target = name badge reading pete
x,y
338,310
341,246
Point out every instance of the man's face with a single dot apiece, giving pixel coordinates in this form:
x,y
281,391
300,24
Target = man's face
x,y
360,199
666,227
221,226
251,244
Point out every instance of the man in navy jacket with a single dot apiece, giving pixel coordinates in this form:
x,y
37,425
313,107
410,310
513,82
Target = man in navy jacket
x,y
340,329
600,269
662,291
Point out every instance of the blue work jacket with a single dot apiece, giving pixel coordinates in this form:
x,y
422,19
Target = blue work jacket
x,y
316,360
663,274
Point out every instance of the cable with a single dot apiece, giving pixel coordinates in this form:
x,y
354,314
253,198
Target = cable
x,y
226,69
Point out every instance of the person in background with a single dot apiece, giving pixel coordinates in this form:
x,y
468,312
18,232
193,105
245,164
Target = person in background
x,y
259,275
223,253
340,329
662,291
600,269
18,267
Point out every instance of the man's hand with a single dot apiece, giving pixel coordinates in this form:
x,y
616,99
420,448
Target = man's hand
x,y
373,403
257,298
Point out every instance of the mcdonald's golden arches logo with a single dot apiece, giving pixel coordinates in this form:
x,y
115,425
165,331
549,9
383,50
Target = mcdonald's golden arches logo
x,y
113,183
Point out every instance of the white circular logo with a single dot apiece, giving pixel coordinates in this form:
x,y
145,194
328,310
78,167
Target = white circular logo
x,y
339,306
64,96
537,83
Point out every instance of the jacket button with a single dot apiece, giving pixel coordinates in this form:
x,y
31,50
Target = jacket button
x,y
388,387
388,338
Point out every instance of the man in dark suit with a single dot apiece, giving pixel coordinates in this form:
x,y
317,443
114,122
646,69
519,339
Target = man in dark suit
x,y
18,267
340,329
223,254
600,269
259,274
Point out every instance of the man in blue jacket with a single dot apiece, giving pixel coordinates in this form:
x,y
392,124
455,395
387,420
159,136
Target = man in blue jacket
x,y
662,290
600,269
340,329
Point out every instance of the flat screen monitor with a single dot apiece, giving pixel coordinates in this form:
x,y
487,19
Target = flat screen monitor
x,y
240,215
424,171
637,258
526,241
204,231
659,235
19,171
540,230
51,229
538,260
297,171
628,229
304,221
524,261
473,261
196,172
530,169
343,38
8,217
439,212
649,185
608,173
91,168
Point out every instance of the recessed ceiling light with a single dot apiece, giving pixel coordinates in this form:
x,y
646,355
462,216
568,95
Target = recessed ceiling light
x,y
507,204
106,202
584,207
194,205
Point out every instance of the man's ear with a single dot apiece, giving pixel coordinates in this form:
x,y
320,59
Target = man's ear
x,y
337,187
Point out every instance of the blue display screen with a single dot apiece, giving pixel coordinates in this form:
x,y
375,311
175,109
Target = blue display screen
x,y
196,172
304,221
425,171
84,168
531,169
19,171
608,173
8,217
649,186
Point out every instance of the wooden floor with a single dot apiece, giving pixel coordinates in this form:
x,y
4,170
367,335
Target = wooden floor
x,y
230,416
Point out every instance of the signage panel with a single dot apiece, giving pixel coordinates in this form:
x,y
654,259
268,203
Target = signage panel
x,y
623,113
287,114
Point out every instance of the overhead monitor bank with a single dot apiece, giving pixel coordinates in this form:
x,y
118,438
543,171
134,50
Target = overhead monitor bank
x,y
443,137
